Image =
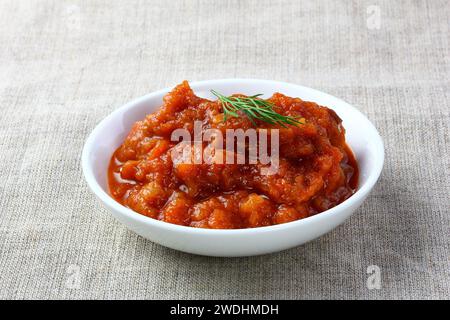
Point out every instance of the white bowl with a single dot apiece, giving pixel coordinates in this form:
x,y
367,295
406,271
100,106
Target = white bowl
x,y
361,135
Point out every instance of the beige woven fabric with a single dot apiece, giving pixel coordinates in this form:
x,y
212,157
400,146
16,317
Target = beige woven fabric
x,y
65,65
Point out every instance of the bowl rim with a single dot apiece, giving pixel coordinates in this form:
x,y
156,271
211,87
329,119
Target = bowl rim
x,y
95,187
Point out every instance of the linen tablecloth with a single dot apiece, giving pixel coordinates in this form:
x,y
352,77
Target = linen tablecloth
x,y
65,65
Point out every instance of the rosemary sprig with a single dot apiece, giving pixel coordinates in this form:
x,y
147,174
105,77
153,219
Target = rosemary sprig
x,y
254,108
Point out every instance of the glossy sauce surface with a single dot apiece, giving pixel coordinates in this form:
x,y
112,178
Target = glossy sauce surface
x,y
316,172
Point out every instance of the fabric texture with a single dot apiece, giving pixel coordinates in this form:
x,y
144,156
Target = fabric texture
x,y
65,65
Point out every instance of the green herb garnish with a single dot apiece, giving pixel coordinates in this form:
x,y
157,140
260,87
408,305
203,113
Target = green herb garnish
x,y
254,108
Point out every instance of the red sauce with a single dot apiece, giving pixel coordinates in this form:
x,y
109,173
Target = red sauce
x,y
317,169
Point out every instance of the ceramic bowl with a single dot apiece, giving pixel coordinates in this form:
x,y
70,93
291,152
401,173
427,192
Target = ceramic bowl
x,y
361,136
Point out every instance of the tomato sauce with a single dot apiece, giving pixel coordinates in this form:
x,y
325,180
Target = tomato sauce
x,y
317,170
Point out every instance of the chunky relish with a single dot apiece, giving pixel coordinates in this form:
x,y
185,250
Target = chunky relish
x,y
316,169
